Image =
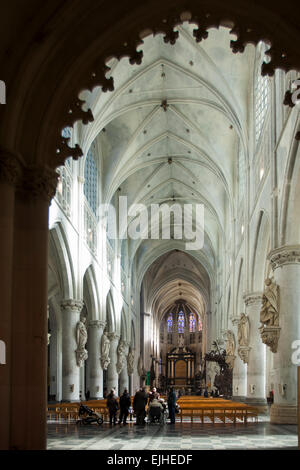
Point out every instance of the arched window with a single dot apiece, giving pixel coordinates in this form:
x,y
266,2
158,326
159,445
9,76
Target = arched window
x,y
192,323
200,326
91,180
261,94
170,323
181,323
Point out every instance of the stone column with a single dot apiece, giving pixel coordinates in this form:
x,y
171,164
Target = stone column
x,y
112,374
123,377
9,174
95,370
256,370
286,266
239,375
70,371
29,309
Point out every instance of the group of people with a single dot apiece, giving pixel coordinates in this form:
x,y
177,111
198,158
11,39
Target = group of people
x,y
156,406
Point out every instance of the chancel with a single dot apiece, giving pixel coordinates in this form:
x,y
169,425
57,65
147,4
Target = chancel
x,y
188,109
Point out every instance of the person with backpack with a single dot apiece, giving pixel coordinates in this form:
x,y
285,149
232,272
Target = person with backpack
x,y
125,403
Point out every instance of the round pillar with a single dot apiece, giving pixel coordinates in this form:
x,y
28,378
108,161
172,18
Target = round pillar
x,y
123,377
285,262
256,369
112,374
95,370
70,371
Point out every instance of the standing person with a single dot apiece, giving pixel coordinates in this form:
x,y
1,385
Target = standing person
x,y
112,405
172,405
206,393
125,404
139,404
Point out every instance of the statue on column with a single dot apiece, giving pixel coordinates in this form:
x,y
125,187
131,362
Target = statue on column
x,y
141,370
121,356
244,338
269,315
105,347
81,338
230,348
243,331
130,361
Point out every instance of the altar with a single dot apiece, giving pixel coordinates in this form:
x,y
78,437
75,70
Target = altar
x,y
181,368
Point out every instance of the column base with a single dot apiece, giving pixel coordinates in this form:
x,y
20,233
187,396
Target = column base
x,y
239,399
283,414
259,403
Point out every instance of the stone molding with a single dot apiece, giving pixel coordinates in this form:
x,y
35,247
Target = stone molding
x,y
10,168
270,336
113,337
287,254
243,352
253,298
97,324
72,305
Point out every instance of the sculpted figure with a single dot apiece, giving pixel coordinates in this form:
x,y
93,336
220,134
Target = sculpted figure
x,y
105,347
81,334
269,314
130,361
121,356
243,330
230,343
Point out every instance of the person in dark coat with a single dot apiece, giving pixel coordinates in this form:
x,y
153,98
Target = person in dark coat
x,y
172,405
139,404
112,405
125,404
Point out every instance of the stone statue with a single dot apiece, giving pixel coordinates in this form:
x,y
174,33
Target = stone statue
x,y
105,347
181,341
269,314
243,331
81,339
130,361
230,343
121,356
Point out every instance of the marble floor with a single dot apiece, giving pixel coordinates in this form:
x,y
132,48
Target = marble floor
x,y
181,436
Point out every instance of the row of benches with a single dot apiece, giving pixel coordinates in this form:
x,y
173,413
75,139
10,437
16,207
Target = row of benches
x,y
210,410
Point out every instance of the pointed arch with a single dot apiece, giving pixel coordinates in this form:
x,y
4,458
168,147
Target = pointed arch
x,y
260,252
91,294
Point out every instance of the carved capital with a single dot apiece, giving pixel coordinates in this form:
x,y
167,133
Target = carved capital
x,y
38,183
113,337
270,336
10,168
289,254
72,305
254,298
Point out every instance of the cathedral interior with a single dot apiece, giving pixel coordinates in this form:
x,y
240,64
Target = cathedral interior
x,y
185,114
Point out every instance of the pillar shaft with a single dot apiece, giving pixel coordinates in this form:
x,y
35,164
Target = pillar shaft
x,y
286,266
8,174
70,371
95,369
112,374
29,310
123,377
257,361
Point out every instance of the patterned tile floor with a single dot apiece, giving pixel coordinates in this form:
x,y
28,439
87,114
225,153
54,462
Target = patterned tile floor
x,y
181,436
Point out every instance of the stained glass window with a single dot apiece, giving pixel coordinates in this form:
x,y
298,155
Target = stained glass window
x,y
199,325
180,323
91,179
170,323
192,323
